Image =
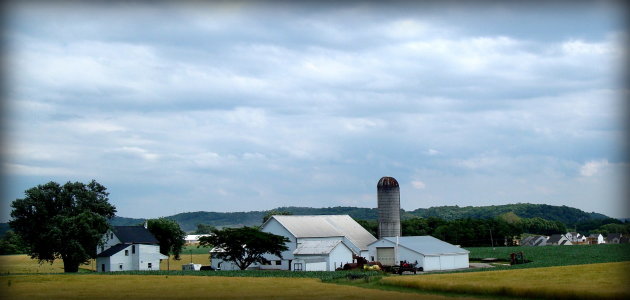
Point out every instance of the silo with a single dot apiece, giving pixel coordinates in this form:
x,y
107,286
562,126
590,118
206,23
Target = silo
x,y
388,207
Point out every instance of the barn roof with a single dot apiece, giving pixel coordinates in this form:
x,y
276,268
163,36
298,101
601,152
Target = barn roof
x,y
426,245
326,226
555,238
113,250
134,234
316,247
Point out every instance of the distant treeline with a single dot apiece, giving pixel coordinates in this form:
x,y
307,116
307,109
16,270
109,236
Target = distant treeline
x,y
569,216
500,231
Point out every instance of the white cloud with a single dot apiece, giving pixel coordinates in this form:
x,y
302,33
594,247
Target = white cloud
x,y
417,184
593,167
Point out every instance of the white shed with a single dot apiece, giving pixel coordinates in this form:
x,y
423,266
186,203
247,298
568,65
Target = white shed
x,y
321,255
428,252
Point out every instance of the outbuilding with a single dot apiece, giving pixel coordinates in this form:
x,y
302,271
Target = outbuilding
x,y
425,251
321,255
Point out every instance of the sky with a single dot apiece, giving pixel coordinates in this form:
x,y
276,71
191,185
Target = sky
x,y
241,106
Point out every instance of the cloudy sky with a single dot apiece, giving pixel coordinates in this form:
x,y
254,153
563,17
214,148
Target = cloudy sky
x,y
238,106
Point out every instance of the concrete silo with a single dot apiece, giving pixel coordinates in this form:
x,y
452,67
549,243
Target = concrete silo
x,y
388,207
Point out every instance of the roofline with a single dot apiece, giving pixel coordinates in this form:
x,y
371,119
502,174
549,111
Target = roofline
x,y
400,245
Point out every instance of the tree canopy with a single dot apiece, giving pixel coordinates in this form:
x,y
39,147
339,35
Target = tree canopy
x,y
168,233
204,229
245,246
62,222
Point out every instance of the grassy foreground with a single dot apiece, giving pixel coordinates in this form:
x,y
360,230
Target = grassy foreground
x,y
184,287
595,281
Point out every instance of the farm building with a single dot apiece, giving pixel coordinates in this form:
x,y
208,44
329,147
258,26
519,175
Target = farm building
x,y
428,252
193,239
558,239
127,248
311,239
595,239
534,240
321,255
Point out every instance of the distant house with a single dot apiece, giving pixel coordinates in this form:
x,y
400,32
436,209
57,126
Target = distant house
x,y
576,238
126,248
613,238
534,240
558,239
595,239
193,239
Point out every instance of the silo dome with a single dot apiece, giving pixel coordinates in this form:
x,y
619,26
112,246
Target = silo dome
x,y
388,193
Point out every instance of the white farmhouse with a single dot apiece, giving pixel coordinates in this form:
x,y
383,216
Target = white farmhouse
x,y
126,248
595,239
576,238
322,242
426,251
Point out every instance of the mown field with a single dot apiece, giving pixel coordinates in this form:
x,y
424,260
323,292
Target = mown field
x,y
184,287
593,281
548,256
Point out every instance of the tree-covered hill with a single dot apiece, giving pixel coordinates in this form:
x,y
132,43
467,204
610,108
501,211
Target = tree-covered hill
x,y
567,215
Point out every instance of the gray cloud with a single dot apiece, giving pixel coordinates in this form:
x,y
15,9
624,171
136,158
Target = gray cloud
x,y
243,106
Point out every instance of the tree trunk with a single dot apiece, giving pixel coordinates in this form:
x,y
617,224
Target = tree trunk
x,y
70,266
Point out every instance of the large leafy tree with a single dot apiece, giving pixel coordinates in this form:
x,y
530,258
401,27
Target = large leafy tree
x,y
169,234
246,245
62,221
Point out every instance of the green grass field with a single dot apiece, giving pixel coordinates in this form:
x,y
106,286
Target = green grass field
x,y
548,256
593,281
184,287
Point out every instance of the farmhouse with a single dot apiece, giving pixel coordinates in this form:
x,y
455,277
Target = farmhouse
x,y
127,248
613,238
558,239
576,238
426,251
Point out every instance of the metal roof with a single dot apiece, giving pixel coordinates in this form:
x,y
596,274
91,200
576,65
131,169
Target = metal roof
x,y
327,226
427,245
316,247
134,234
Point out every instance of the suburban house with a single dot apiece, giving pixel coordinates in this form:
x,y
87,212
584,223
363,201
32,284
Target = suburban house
x,y
425,251
595,238
613,238
558,239
315,243
534,240
126,248
576,238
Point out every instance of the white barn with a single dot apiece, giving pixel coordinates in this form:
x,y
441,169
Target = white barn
x,y
315,242
428,252
126,248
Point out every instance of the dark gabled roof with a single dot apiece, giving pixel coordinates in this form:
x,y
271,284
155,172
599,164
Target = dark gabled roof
x,y
135,235
555,238
113,250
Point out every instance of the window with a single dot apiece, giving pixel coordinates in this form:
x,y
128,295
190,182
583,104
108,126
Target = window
x,y
120,266
126,252
149,265
278,262
102,267
297,266
133,249
111,236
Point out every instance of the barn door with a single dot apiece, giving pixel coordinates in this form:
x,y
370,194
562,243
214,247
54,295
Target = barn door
x,y
386,256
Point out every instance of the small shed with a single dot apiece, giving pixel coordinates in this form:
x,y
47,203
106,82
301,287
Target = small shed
x,y
321,255
426,251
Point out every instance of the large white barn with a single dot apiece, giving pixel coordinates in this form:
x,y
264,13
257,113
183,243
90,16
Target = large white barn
x,y
428,252
322,242
126,248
